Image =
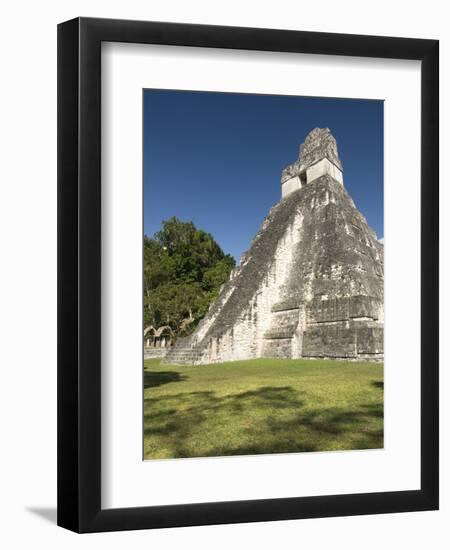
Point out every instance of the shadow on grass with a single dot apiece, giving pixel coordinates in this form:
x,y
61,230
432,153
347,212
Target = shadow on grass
x,y
270,419
364,423
156,379
379,385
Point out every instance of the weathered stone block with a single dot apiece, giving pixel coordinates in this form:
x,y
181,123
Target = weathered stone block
x,y
370,340
278,348
364,307
329,341
335,309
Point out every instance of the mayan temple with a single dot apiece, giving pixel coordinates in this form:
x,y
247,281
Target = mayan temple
x,y
311,284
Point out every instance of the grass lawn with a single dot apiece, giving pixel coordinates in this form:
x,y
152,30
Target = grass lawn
x,y
261,406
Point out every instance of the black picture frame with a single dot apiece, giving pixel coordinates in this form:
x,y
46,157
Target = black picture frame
x,y
79,274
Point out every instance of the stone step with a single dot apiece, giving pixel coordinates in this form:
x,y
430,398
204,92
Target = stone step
x,y
182,353
277,334
287,305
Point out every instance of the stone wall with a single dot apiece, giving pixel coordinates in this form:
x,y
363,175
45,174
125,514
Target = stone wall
x,y
155,353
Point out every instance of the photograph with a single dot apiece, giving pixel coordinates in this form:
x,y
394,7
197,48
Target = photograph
x,y
263,274
218,205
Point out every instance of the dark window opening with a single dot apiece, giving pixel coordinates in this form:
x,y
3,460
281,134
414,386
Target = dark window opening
x,y
303,178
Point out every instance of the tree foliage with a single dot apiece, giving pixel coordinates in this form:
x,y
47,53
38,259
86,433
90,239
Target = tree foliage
x,y
184,269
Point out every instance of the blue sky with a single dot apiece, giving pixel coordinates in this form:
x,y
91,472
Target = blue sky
x,y
216,158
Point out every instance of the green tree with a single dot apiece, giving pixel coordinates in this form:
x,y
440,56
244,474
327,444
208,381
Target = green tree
x,y
184,269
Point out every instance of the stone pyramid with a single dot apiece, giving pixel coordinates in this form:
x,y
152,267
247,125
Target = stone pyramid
x,y
311,284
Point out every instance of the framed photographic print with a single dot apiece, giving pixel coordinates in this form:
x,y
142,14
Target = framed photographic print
x,y
248,275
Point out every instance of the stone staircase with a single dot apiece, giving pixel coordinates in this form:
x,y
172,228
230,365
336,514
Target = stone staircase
x,y
183,353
